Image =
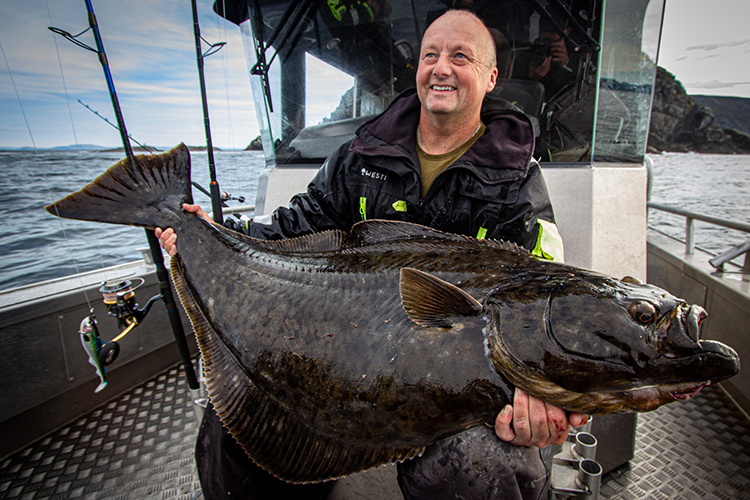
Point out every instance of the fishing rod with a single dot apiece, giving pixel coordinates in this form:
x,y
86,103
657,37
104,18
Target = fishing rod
x,y
224,195
150,149
217,214
88,332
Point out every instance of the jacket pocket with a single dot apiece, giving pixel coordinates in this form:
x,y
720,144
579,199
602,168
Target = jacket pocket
x,y
503,193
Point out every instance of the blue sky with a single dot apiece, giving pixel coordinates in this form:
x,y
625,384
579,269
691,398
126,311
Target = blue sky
x,y
151,52
152,58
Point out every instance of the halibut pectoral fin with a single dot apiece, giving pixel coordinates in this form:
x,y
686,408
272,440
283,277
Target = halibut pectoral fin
x,y
430,301
274,437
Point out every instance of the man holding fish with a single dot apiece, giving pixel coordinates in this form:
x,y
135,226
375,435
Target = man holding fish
x,y
435,157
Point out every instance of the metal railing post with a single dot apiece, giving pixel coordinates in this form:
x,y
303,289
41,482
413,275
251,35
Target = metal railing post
x,y
691,217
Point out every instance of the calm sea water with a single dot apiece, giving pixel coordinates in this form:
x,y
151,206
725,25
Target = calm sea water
x,y
716,185
36,246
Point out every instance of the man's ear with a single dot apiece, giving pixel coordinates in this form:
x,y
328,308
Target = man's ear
x,y
492,80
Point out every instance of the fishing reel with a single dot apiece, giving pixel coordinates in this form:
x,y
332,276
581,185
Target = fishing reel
x,y
119,297
228,196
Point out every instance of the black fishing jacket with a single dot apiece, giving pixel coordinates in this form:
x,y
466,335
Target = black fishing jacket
x,y
495,190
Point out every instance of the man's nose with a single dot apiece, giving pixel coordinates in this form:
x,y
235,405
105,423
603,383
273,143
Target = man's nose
x,y
443,67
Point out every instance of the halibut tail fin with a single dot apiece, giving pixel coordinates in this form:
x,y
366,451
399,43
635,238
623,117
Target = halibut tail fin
x,y
146,193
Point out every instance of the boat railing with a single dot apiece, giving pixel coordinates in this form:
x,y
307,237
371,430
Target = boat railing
x,y
239,209
717,261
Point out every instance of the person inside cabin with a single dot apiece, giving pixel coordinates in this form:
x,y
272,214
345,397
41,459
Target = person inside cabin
x,y
436,158
547,60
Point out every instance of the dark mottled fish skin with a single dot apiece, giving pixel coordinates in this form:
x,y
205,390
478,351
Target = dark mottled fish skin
x,y
332,353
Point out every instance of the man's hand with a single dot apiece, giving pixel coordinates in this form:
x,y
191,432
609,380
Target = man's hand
x,y
536,73
168,238
559,52
535,423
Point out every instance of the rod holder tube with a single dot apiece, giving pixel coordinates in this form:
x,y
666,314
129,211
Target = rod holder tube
x,y
590,479
585,445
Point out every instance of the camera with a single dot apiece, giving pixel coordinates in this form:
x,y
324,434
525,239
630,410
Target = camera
x,y
540,50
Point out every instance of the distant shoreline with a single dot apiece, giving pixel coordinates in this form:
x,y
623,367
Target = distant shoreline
x,y
102,149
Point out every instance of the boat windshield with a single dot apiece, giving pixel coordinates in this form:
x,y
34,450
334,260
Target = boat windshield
x,y
320,69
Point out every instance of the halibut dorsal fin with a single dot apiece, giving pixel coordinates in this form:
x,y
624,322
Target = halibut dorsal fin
x,y
326,241
430,301
275,438
371,232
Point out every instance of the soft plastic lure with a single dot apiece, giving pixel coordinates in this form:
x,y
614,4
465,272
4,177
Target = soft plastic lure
x,y
92,344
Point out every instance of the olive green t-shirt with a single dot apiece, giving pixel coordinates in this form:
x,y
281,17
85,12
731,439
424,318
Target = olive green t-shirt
x,y
432,165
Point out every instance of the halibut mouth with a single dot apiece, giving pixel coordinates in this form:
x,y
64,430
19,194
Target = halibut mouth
x,y
723,359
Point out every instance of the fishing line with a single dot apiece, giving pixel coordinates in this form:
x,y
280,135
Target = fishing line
x,y
236,164
225,68
65,87
18,97
44,175
97,243
78,149
222,29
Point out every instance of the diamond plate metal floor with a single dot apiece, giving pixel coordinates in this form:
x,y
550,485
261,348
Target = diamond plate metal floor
x,y
138,446
695,449
141,446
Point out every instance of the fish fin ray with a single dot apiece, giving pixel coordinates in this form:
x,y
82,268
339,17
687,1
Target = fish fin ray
x,y
372,232
375,231
430,301
507,246
274,438
327,241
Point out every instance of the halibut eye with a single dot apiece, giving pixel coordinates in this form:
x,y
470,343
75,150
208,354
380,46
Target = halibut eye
x,y
643,312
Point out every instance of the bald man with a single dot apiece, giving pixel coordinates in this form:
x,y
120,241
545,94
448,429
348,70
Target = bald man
x,y
436,158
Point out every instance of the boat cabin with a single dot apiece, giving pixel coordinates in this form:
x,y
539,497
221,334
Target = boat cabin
x,y
319,70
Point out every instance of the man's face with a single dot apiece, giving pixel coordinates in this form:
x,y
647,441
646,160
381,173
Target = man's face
x,y
454,74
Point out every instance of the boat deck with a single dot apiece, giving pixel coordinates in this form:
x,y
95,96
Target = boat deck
x,y
141,446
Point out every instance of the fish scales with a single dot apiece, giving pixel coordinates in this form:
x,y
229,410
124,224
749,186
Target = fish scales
x,y
366,338
332,353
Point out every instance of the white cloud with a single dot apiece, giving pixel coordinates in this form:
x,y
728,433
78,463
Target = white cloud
x,y
707,44
715,46
715,84
151,52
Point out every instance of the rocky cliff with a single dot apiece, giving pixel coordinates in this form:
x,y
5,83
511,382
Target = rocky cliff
x,y
255,145
681,123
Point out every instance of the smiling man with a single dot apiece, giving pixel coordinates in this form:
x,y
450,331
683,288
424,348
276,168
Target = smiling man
x,y
456,70
436,158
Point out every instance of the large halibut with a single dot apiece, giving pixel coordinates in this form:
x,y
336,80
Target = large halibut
x,y
335,352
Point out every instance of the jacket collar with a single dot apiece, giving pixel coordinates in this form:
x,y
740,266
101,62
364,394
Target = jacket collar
x,y
503,153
